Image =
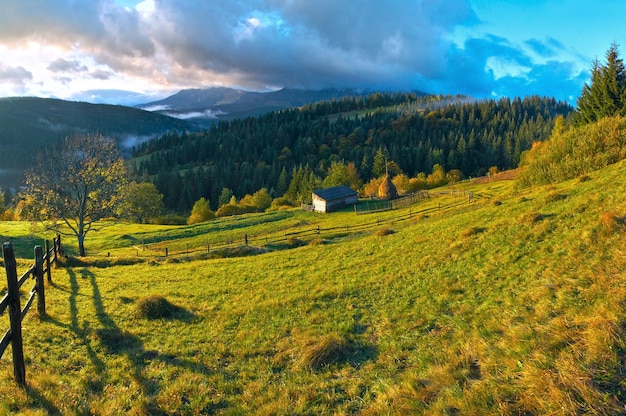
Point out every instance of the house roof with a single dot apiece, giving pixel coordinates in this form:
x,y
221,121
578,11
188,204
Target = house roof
x,y
336,192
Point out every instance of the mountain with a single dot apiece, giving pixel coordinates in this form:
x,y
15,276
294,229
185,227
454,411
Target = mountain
x,y
29,123
221,103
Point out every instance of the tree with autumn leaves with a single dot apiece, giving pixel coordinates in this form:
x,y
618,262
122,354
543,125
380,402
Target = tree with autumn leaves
x,y
74,186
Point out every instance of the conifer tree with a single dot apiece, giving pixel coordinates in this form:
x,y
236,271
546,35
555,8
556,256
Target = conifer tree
x,y
606,96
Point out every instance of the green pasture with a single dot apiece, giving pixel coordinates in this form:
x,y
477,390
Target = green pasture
x,y
512,303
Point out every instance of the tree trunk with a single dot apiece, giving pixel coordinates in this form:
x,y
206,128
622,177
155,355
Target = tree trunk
x,y
81,244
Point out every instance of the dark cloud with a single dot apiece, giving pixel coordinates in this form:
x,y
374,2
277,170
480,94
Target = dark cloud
x,y
62,65
101,74
307,44
260,44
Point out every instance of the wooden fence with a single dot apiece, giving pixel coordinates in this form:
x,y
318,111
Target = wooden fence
x,y
11,300
290,236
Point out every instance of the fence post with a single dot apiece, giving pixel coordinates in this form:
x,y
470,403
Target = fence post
x,y
60,248
15,314
41,296
49,273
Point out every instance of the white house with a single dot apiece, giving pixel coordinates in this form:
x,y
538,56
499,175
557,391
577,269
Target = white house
x,y
331,199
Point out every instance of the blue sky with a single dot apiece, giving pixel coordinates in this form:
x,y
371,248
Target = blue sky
x,y
133,51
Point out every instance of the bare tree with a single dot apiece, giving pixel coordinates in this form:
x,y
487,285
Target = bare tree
x,y
75,185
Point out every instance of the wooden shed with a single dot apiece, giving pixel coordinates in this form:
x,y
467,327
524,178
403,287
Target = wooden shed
x,y
331,199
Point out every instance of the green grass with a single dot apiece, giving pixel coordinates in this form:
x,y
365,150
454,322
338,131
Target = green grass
x,y
514,307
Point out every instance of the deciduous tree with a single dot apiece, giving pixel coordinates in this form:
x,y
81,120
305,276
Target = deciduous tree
x,y
141,202
75,185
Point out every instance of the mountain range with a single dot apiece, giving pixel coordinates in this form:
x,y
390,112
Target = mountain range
x,y
29,123
204,106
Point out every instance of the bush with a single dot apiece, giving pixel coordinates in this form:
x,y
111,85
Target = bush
x,y
575,152
170,219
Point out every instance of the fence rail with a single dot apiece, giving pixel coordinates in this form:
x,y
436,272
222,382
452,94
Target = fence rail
x,y
291,235
11,299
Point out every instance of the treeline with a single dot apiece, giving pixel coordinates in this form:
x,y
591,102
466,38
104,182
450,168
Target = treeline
x,y
414,133
597,137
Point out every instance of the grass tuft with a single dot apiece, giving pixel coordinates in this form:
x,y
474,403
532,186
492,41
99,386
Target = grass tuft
x,y
472,231
610,222
385,231
555,197
155,307
531,218
332,349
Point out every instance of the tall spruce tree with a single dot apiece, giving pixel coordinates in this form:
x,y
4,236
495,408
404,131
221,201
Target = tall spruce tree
x,y
606,96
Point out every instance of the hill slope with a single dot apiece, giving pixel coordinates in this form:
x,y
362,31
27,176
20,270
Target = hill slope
x,y
29,123
509,304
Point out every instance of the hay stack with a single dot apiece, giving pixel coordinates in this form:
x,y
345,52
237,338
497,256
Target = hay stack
x,y
387,190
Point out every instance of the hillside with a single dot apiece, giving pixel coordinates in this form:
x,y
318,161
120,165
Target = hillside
x,y
415,132
29,123
511,303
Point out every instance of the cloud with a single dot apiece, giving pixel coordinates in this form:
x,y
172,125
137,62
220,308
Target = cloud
x,y
15,75
266,44
545,48
101,74
62,65
206,114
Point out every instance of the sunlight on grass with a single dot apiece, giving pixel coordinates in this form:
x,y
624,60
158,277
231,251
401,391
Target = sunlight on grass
x,y
514,307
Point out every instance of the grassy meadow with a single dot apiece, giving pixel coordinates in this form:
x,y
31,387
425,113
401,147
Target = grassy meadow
x,y
510,304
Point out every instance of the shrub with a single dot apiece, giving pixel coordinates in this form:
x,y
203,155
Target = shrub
x,y
170,219
200,212
575,152
281,203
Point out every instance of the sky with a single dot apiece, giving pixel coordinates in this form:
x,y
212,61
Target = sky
x,y
136,51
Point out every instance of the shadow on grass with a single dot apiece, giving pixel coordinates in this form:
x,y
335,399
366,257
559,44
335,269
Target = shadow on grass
x,y
115,340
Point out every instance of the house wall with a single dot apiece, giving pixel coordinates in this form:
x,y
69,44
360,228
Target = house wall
x,y
319,205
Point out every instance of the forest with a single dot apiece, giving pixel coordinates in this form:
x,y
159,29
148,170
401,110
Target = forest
x,y
414,133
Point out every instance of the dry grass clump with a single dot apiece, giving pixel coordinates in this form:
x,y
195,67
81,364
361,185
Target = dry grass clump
x,y
472,231
555,197
531,218
385,231
317,242
324,351
496,203
294,242
418,218
155,307
319,352
584,178
610,222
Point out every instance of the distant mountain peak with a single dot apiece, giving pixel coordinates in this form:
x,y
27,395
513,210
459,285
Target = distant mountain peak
x,y
229,103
